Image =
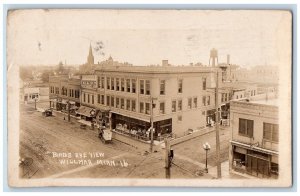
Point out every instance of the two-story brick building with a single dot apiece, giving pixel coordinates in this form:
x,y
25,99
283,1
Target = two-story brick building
x,y
254,138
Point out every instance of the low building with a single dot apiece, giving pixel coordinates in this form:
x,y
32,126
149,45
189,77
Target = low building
x,y
34,90
254,138
63,90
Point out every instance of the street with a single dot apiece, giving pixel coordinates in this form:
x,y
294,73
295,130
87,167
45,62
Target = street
x,y
60,148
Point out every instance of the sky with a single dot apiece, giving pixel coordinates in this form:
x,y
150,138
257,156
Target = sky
x,y
45,37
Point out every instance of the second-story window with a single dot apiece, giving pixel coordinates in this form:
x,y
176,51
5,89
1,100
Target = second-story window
x,y
128,85
112,101
108,100
179,105
208,100
173,106
204,100
117,102
102,99
147,87
98,100
83,97
246,127
127,104
180,86
122,103
162,107
122,84
147,108
133,82
142,110
108,83
142,87
88,98
195,102
102,81
162,87
270,132
204,83
133,105
112,84
118,84
189,103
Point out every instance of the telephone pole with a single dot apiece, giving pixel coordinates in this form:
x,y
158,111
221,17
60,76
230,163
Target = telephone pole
x,y
69,115
167,158
217,125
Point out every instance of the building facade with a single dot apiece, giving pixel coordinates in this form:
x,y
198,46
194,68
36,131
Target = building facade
x,y
254,138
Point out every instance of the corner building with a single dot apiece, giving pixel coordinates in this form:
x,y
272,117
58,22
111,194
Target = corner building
x,y
176,94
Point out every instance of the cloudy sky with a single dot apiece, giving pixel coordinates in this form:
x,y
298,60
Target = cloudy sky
x,y
146,37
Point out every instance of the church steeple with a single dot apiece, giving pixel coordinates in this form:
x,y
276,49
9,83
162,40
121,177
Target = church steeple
x,y
90,58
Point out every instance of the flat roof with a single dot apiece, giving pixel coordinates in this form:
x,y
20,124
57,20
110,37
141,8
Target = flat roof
x,y
273,102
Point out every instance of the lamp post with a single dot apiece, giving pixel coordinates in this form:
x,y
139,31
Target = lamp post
x,y
92,113
206,147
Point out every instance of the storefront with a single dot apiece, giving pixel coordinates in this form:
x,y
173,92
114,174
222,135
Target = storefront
x,y
87,113
255,161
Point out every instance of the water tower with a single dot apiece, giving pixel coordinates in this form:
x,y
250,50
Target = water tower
x,y
213,57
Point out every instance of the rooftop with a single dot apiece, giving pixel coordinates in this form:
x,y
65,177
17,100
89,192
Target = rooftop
x,y
272,102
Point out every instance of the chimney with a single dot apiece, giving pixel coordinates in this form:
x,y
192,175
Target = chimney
x,y
165,63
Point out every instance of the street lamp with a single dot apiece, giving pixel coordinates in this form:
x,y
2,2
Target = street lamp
x,y
92,113
206,147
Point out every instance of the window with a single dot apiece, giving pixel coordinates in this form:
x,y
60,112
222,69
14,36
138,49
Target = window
x,y
118,84
147,87
162,87
162,107
133,105
83,97
98,101
88,98
122,85
92,99
142,107
133,85
102,82
180,86
204,100
128,85
270,132
179,118
117,102
195,102
173,106
142,90
122,103
147,108
112,84
179,105
108,100
108,83
208,100
189,103
112,101
128,104
76,93
204,83
99,82
102,99
246,127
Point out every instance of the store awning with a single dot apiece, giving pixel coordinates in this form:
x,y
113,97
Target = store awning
x,y
86,111
253,147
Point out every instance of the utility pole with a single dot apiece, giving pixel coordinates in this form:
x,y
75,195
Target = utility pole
x,y
151,128
167,158
217,125
69,109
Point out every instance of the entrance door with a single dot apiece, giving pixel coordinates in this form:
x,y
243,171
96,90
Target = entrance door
x,y
257,167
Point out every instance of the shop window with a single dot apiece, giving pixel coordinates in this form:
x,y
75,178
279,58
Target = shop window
x,y
246,127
